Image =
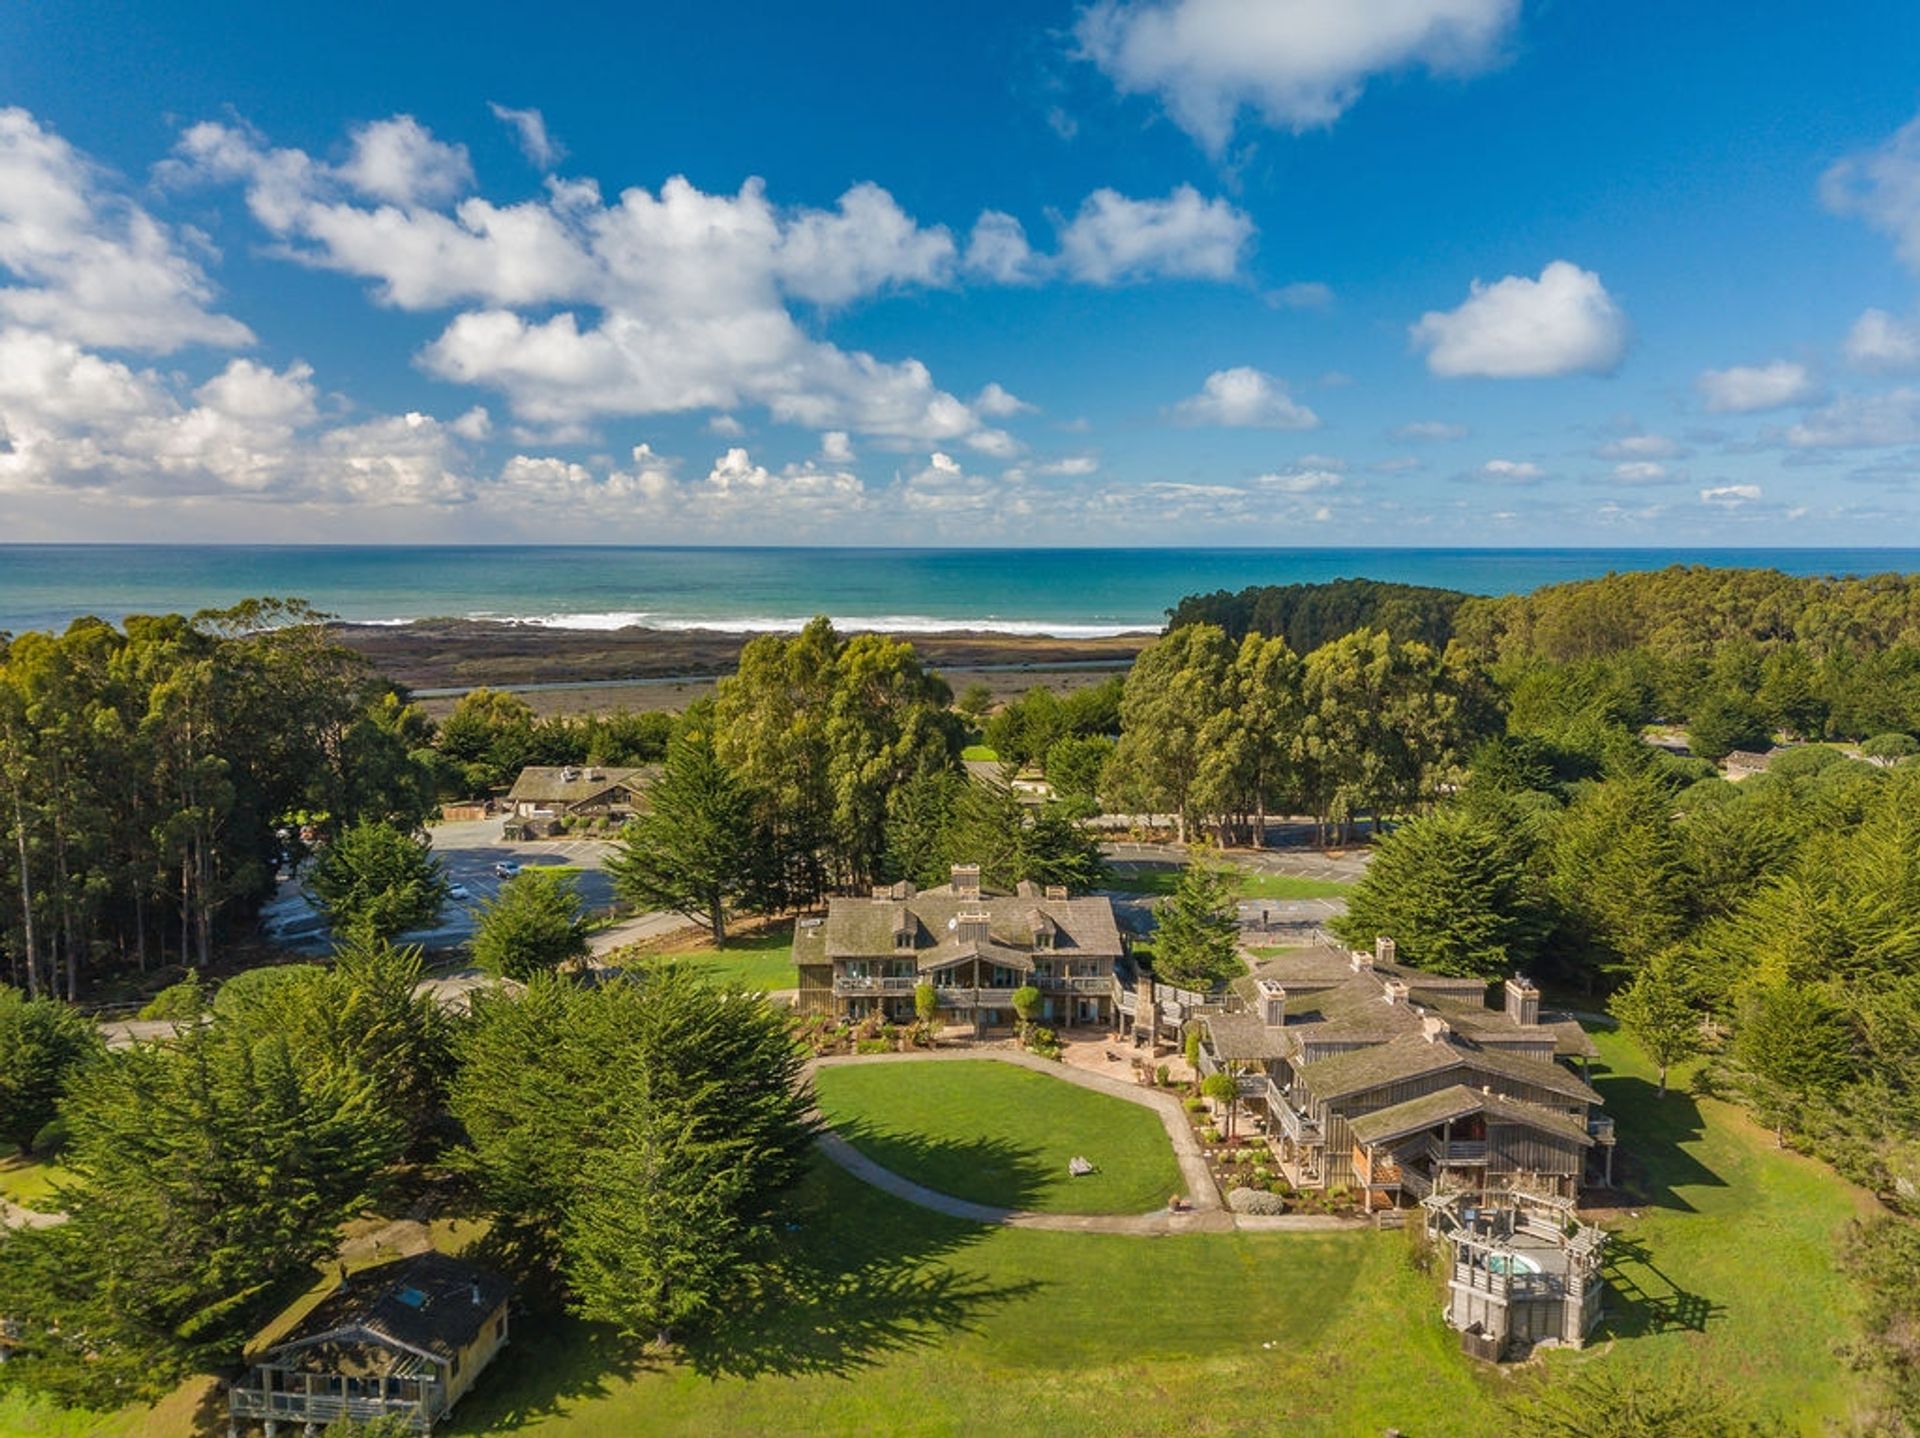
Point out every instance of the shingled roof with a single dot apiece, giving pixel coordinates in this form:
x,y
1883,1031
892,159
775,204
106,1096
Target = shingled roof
x,y
864,928
1412,1056
1387,1124
431,1305
549,784
1241,1038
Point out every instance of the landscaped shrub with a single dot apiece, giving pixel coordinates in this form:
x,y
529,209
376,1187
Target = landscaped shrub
x,y
1193,1048
874,1046
1262,1175
1160,1075
1196,1105
182,1002
1044,1042
1252,1200
1210,1136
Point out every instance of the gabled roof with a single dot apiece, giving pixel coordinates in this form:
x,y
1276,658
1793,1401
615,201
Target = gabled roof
x,y
957,951
548,784
1388,1124
431,1305
864,928
1412,1056
1244,1038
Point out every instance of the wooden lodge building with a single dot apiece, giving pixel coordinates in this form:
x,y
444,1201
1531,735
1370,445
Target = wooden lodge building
x,y
1397,1083
400,1340
544,794
870,953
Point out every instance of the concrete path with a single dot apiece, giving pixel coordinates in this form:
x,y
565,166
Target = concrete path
x,y
1207,1214
12,1215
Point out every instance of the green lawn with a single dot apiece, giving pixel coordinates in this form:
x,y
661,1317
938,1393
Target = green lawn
x,y
757,961
998,1134
980,753
29,1181
890,1320
1159,879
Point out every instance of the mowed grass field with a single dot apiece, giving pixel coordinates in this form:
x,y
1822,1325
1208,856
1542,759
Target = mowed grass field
x,y
887,1319
998,1134
762,961
29,1181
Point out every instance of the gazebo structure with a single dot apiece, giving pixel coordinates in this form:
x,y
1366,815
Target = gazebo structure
x,y
1522,1270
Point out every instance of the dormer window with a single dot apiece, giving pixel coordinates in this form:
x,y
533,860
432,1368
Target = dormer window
x,y
1043,938
903,938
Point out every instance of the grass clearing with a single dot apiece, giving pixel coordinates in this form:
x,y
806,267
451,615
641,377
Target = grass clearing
x,y
980,753
995,1133
29,1181
762,960
891,1320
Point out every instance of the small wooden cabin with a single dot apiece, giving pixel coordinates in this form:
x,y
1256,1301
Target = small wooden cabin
x,y
400,1340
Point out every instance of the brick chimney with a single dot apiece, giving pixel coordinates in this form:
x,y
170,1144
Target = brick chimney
x,y
1434,1029
1361,960
1273,1002
966,881
1397,991
1383,951
1523,1000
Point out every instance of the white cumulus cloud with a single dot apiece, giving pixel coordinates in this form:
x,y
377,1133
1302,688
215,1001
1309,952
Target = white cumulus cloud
x,y
1748,389
1564,322
1298,64
399,161
88,264
1882,187
1883,343
1730,496
530,129
1244,398
1114,239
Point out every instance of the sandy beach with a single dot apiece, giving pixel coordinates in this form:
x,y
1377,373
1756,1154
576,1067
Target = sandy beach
x,y
577,671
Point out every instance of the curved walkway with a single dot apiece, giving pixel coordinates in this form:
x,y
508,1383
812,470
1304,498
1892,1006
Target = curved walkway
x,y
1207,1214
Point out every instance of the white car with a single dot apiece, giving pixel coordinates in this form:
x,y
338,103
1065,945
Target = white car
x,y
505,869
459,893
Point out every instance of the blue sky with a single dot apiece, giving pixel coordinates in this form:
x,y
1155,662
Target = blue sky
x,y
1266,272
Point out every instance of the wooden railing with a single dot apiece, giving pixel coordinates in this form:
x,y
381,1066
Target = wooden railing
x,y
321,1408
848,985
1459,1151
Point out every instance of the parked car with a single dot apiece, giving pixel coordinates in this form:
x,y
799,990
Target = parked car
x,y
505,869
459,893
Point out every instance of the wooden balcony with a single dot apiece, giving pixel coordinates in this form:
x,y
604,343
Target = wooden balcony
x,y
328,1401
1294,1124
843,984
1460,1151
1600,1128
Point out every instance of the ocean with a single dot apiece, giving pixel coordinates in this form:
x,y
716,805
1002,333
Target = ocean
x,y
1069,593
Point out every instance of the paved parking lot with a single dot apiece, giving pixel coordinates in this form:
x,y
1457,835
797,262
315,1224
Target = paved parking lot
x,y
467,850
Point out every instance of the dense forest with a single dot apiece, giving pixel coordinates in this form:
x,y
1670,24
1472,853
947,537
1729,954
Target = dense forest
x,y
1310,615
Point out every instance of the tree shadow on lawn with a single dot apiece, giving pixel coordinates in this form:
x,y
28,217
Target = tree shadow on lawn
x,y
853,1277
1641,1299
992,1171
1650,1163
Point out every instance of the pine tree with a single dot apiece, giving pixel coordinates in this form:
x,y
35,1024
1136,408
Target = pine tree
x,y
1196,932
534,924
697,851
376,881
43,1045
1657,1012
1453,892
